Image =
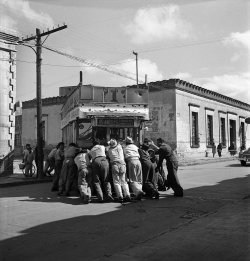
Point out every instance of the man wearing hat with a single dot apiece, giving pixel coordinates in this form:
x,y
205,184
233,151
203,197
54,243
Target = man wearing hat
x,y
148,172
118,168
134,167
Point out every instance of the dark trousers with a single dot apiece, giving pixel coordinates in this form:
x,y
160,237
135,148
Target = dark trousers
x,y
68,175
101,177
172,179
149,179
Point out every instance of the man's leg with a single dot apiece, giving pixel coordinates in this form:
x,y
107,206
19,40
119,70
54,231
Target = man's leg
x,y
116,181
96,180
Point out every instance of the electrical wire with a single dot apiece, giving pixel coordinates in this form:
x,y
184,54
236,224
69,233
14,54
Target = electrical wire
x,y
90,63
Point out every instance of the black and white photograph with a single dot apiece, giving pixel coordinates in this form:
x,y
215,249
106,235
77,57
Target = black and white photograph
x,y
125,130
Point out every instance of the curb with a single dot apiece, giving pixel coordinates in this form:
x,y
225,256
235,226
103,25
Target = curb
x,y
24,182
49,179
205,161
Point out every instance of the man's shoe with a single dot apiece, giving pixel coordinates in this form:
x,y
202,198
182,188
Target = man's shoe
x,y
87,200
157,195
110,198
139,196
127,199
120,200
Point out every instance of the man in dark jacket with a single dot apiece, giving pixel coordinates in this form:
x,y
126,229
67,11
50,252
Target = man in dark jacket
x,y
149,185
165,152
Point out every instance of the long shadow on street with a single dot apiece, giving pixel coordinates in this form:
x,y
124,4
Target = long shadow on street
x,y
89,237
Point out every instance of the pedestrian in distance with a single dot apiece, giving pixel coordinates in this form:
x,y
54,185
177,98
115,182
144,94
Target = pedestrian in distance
x,y
83,164
28,158
132,157
213,149
166,152
118,170
219,149
69,170
148,172
101,176
59,157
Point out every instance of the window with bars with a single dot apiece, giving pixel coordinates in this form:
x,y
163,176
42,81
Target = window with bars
x,y
223,132
210,138
18,141
195,141
242,136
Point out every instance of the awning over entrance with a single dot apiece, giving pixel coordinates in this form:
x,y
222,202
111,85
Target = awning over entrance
x,y
106,110
114,111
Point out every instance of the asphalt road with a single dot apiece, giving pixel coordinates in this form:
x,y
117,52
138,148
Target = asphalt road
x,y
211,222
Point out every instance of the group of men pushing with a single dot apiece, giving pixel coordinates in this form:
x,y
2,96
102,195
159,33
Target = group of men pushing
x,y
131,168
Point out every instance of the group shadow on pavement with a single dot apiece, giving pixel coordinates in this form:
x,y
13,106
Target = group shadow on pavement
x,y
99,236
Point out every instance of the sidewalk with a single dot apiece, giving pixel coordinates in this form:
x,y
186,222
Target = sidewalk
x,y
17,178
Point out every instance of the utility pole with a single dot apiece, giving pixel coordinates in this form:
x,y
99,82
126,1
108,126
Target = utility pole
x,y
40,141
136,59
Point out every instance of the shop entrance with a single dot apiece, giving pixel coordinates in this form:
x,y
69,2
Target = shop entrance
x,y
105,133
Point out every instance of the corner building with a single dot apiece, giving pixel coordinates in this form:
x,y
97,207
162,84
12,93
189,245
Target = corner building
x,y
190,118
7,100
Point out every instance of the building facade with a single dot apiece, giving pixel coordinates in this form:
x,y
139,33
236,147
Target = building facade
x,y
51,121
7,99
191,118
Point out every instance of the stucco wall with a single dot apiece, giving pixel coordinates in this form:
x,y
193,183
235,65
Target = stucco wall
x,y
7,100
186,102
51,116
162,110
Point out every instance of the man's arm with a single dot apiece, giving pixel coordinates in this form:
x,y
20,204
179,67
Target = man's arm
x,y
153,146
161,158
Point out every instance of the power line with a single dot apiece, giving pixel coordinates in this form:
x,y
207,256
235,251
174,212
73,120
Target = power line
x,y
84,61
183,45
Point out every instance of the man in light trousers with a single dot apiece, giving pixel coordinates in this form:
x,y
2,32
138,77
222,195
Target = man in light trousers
x,y
118,168
134,167
82,161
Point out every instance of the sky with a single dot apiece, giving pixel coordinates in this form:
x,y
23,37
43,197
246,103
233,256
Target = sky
x,y
206,43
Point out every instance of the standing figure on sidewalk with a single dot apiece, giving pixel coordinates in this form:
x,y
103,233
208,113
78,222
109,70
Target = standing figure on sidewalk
x,y
59,157
165,152
219,149
148,172
101,177
82,162
69,170
118,169
28,158
134,167
213,149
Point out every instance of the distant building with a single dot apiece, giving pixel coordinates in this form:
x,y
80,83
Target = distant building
x,y
7,99
191,118
51,121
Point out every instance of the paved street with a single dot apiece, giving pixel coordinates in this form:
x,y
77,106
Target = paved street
x,y
210,223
